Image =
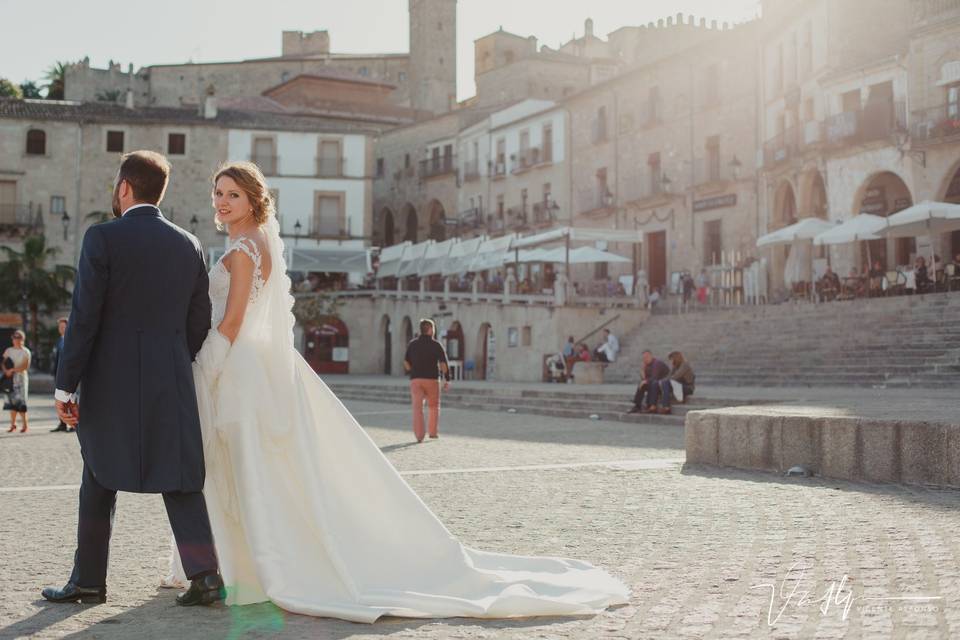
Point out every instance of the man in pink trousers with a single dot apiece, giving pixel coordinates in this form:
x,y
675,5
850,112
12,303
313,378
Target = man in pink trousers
x,y
425,362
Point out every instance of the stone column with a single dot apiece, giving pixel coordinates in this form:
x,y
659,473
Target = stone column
x,y
476,287
509,285
560,284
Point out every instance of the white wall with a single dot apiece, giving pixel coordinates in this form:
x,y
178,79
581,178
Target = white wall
x,y
297,153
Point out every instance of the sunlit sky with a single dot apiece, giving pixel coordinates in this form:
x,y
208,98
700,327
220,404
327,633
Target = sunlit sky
x,y
37,33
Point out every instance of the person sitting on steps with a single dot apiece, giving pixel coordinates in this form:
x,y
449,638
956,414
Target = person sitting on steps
x,y
652,372
682,374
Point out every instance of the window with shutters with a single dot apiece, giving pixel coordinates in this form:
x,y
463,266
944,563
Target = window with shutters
x,y
176,144
115,141
36,142
329,164
328,216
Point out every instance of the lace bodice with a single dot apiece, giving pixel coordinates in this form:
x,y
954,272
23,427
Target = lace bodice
x,y
220,277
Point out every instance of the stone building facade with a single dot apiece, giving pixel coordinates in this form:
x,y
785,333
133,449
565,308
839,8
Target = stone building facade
x,y
667,148
423,79
933,84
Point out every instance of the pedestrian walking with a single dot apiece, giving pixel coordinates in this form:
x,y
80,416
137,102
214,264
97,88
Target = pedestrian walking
x,y
425,362
16,362
57,350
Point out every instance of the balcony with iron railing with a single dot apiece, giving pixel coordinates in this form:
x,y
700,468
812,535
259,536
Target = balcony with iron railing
x,y
649,185
527,159
19,219
715,171
498,169
594,199
331,167
544,212
936,124
875,121
438,166
269,165
781,147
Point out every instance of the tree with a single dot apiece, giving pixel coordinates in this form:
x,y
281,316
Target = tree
x,y
28,286
30,89
9,90
56,80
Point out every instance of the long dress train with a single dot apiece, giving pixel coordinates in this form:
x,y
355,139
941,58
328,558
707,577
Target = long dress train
x,y
309,514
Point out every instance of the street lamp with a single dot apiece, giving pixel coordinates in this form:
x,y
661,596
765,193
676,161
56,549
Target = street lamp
x,y
194,222
65,220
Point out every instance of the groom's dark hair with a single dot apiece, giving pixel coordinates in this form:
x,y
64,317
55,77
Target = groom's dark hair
x,y
147,173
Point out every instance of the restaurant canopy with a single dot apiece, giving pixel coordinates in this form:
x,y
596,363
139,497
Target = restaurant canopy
x,y
493,253
581,255
390,259
461,255
862,227
329,260
436,257
579,233
806,229
410,263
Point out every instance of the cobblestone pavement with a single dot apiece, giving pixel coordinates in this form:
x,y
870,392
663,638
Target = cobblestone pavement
x,y
702,549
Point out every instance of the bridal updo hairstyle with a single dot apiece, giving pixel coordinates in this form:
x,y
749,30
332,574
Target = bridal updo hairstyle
x,y
251,181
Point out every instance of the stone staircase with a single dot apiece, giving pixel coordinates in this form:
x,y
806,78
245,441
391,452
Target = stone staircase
x,y
895,342
562,403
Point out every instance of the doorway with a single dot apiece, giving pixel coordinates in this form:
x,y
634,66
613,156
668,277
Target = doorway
x,y
657,260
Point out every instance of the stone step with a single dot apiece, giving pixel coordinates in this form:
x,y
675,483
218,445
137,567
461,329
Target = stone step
x,y
616,411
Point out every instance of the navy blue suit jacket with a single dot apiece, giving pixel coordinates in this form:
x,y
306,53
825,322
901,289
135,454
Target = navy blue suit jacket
x,y
140,313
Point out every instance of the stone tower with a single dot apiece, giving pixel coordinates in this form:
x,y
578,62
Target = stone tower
x,y
433,55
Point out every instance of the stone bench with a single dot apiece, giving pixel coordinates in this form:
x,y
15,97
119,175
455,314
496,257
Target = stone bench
x,y
588,372
828,443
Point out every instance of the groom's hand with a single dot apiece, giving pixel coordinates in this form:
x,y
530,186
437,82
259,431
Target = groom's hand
x,y
69,412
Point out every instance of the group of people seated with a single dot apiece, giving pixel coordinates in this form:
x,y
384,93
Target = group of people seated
x,y
661,385
869,282
560,366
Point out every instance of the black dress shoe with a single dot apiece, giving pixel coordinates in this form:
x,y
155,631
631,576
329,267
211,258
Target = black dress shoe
x,y
72,593
206,591
59,427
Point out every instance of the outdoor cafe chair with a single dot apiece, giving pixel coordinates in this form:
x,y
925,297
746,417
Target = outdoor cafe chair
x,y
895,283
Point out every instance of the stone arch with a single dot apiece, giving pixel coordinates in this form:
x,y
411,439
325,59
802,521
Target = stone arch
x,y
882,194
406,328
484,353
784,205
812,201
387,228
453,341
950,192
437,216
386,335
410,223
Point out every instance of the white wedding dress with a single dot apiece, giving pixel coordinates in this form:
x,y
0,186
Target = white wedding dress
x,y
308,513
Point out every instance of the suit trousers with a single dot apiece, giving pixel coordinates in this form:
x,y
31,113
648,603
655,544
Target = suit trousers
x,y
188,517
425,389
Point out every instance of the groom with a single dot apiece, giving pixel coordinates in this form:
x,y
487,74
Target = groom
x,y
140,313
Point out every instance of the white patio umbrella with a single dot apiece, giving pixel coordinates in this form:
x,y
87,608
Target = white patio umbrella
x,y
858,228
806,229
924,218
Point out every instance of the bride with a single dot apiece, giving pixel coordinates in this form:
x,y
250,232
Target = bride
x,y
306,511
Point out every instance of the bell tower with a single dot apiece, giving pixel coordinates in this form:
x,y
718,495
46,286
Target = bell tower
x,y
433,55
